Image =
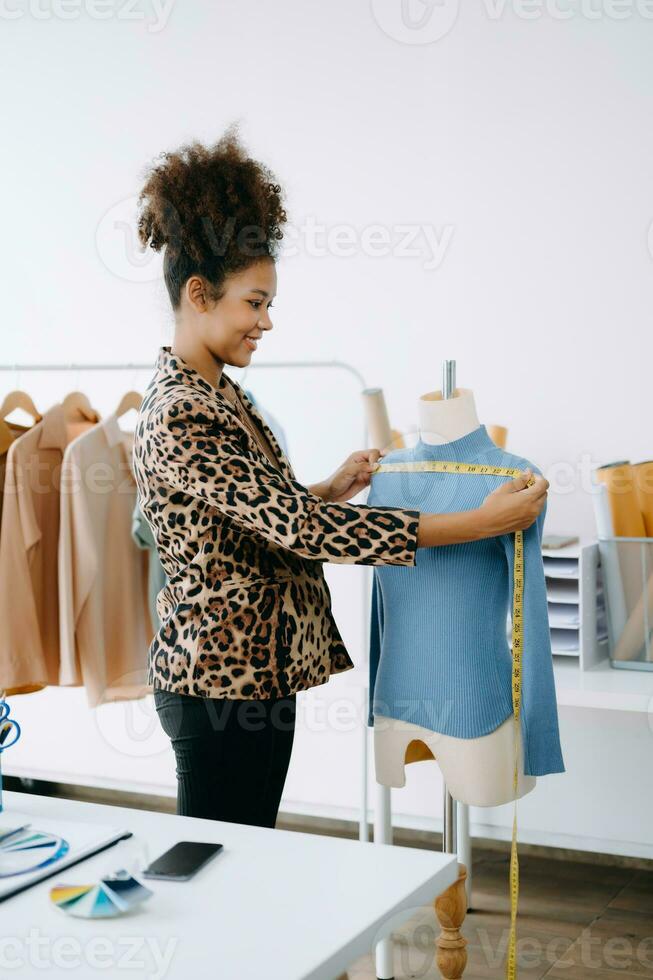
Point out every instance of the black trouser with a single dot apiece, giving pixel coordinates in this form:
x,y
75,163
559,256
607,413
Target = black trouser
x,y
232,754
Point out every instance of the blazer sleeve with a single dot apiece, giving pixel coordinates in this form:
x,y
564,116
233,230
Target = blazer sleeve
x,y
199,448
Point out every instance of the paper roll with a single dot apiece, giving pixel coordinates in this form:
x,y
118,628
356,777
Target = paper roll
x,y
635,642
397,439
379,434
630,598
498,434
643,475
614,588
619,479
602,512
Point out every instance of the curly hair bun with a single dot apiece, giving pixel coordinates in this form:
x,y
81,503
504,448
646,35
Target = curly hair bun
x,y
214,208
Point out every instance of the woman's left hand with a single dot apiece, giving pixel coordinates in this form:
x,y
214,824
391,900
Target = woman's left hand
x,y
352,477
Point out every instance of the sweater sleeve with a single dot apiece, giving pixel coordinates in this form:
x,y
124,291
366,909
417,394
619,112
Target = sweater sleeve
x,y
376,642
538,713
195,446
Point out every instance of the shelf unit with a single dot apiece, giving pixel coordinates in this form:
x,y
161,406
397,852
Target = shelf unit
x,y
576,604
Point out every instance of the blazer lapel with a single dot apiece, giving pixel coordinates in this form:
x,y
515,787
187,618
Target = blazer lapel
x,y
178,369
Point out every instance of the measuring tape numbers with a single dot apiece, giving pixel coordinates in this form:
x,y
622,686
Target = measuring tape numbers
x,y
484,469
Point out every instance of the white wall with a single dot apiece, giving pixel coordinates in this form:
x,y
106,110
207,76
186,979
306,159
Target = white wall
x,y
524,146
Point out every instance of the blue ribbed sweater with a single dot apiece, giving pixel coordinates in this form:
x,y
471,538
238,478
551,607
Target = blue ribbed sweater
x,y
439,650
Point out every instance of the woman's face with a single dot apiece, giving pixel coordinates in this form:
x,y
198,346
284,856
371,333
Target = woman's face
x,y
234,326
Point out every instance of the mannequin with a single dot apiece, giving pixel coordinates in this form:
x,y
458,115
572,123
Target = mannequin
x,y
440,662
477,771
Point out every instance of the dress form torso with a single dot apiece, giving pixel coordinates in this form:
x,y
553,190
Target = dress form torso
x,y
477,771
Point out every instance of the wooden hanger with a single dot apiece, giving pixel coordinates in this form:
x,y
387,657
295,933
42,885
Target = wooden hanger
x,y
131,399
15,399
76,403
19,399
6,437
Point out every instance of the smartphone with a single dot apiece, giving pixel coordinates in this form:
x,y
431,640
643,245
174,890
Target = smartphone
x,y
182,861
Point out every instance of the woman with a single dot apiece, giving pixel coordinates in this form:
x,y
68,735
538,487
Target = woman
x,y
246,614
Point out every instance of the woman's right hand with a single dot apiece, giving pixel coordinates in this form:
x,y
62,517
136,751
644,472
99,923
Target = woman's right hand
x,y
513,506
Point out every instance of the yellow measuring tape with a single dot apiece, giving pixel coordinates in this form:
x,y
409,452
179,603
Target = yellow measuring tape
x,y
483,469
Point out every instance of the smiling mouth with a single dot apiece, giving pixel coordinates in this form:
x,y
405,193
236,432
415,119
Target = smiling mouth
x,y
251,342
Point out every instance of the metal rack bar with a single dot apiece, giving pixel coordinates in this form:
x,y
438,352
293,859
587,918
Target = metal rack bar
x,y
136,366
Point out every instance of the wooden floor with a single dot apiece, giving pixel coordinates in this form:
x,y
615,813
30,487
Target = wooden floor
x,y
576,921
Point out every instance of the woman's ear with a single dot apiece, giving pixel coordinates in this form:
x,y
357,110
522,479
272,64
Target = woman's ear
x,y
195,289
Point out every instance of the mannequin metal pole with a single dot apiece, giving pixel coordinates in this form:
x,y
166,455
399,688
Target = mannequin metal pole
x,y
384,949
464,847
449,814
448,379
449,826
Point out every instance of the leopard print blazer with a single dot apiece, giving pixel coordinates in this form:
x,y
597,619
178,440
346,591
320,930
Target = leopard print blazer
x,y
246,612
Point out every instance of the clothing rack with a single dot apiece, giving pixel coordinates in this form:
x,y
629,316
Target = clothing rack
x,y
363,831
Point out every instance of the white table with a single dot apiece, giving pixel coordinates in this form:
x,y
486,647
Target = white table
x,y
273,904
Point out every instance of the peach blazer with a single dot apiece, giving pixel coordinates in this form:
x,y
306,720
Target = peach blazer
x,y
29,535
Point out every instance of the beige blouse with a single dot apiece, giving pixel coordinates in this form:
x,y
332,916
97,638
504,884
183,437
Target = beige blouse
x,y
104,621
230,392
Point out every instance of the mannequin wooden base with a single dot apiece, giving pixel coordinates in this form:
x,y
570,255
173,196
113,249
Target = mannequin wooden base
x,y
450,909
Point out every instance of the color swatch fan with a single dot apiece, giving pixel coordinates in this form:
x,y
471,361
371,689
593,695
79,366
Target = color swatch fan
x,y
26,850
109,897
